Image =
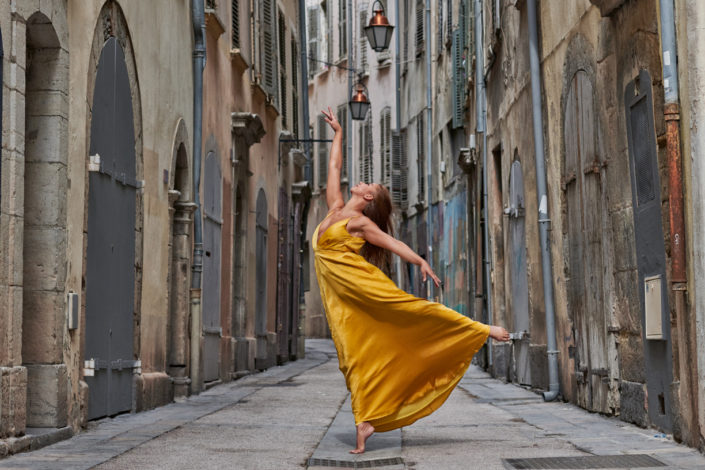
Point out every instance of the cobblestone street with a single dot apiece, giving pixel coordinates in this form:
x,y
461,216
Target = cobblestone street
x,y
296,416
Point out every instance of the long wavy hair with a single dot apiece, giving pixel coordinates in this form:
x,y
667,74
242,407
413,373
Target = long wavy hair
x,y
379,210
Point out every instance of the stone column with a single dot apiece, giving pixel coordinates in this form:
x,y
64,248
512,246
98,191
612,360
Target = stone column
x,y
179,299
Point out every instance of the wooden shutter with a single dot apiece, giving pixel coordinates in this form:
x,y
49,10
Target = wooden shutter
x,y
282,71
342,28
420,157
449,20
404,171
322,152
419,27
294,88
439,28
463,24
385,147
405,34
362,40
235,23
396,169
269,36
312,41
458,77
343,120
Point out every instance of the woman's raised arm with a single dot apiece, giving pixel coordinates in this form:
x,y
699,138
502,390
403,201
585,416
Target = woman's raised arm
x,y
334,197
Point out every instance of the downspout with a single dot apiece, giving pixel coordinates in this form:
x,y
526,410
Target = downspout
x,y
429,147
397,96
348,123
481,119
304,98
544,220
687,363
199,62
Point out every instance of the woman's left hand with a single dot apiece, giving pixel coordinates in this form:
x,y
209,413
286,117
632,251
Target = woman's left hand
x,y
427,271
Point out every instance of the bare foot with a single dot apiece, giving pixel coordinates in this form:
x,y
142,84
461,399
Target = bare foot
x,y
364,431
498,333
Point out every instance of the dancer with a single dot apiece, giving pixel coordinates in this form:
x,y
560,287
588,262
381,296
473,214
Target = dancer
x,y
401,355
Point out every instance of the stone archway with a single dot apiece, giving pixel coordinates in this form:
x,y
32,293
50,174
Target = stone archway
x,y
44,231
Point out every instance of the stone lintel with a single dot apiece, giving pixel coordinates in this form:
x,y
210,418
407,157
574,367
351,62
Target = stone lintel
x,y
247,127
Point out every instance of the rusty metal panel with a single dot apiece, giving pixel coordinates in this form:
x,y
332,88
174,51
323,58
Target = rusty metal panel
x,y
110,252
212,231
648,234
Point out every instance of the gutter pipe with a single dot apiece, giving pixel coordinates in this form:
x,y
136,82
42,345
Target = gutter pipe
x,y
544,220
481,125
686,356
199,62
304,97
429,147
397,93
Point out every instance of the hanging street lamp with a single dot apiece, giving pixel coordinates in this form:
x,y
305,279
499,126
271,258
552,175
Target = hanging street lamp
x,y
379,31
359,103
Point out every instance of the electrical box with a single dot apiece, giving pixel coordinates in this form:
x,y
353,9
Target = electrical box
x,y
653,307
72,310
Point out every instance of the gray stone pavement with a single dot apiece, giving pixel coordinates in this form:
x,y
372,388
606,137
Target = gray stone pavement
x,y
298,416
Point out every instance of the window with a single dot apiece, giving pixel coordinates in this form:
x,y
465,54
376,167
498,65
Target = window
x,y
282,70
312,25
420,157
420,40
449,20
385,147
439,28
294,87
342,114
458,77
400,170
405,34
366,173
322,152
342,28
268,48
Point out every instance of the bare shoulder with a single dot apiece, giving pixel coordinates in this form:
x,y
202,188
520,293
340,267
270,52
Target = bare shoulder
x,y
357,225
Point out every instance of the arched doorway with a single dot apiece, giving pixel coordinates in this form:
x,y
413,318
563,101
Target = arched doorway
x,y
583,232
261,279
212,230
110,252
518,273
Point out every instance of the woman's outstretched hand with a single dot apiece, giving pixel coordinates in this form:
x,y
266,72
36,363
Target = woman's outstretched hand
x,y
332,120
427,271
498,333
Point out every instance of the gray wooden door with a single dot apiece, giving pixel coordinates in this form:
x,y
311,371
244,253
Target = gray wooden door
x,y
110,252
582,183
518,273
261,266
283,279
212,229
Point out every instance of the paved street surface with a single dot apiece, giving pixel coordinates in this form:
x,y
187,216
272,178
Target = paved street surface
x,y
297,416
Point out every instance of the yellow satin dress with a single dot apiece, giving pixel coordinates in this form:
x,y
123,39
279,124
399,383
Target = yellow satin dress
x,y
401,356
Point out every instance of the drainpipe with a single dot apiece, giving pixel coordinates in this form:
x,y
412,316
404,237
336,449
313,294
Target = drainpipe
x,y
199,62
304,94
687,363
544,220
429,146
349,124
481,119
397,93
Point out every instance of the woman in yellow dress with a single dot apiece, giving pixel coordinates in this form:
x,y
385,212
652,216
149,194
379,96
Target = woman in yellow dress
x,y
401,355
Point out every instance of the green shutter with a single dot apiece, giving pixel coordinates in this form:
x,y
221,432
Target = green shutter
x,y
458,77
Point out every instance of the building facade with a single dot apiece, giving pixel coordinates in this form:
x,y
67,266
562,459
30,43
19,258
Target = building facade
x,y
99,196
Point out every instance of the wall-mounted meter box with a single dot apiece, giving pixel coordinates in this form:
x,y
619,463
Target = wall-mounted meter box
x,y
653,305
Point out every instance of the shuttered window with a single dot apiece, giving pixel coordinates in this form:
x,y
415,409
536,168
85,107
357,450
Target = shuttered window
x,y
419,35
312,25
294,87
385,147
405,34
282,71
235,23
458,77
326,12
439,28
342,28
268,49
366,150
342,114
449,21
362,39
322,152
420,158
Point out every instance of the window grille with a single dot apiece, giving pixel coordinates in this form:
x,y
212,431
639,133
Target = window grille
x,y
342,114
322,152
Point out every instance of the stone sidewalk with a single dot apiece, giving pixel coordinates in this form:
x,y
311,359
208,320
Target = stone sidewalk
x,y
298,416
